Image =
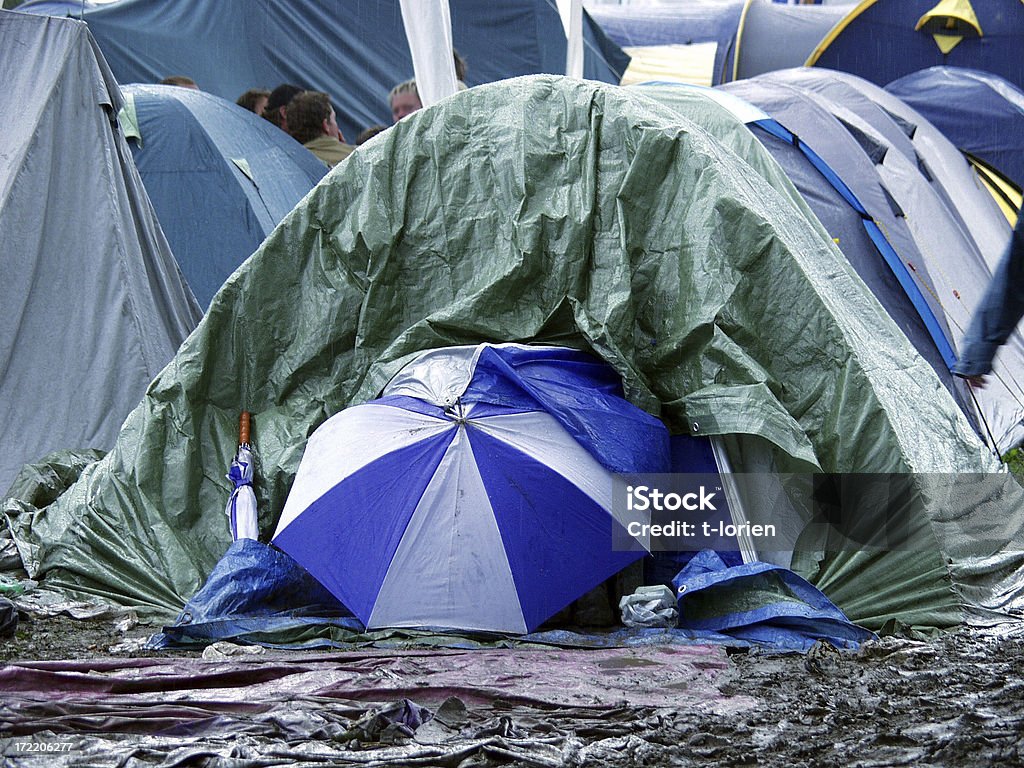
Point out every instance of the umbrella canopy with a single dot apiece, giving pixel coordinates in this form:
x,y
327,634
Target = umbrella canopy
x,y
475,493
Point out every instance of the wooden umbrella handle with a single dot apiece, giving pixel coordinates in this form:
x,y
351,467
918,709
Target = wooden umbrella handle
x,y
243,428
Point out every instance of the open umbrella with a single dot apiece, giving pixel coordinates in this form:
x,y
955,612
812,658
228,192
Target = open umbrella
x,y
241,509
475,493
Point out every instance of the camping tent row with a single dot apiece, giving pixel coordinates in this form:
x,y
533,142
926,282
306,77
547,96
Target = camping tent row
x,y
981,113
709,42
906,210
667,241
354,52
739,366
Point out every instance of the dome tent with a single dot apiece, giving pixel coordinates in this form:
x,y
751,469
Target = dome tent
x,y
725,313
220,177
980,34
94,304
981,113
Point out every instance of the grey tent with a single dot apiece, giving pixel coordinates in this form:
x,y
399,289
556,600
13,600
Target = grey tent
x,y
623,228
94,303
938,158
919,171
848,198
946,171
776,36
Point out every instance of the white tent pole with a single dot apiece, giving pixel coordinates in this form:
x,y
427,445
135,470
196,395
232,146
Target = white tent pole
x,y
428,27
571,12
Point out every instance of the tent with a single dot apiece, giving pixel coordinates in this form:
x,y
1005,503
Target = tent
x,y
882,40
944,168
917,190
981,113
694,41
848,198
840,181
220,177
94,304
708,42
775,36
726,313
354,52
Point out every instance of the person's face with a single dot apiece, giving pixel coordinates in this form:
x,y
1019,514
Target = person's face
x,y
260,105
331,126
404,104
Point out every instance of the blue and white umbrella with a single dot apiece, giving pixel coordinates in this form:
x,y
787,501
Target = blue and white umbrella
x,y
475,493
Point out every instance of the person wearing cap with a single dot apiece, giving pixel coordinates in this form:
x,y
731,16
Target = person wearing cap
x,y
277,104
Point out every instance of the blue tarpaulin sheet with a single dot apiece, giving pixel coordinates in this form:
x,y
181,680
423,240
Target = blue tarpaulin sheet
x,y
258,595
759,603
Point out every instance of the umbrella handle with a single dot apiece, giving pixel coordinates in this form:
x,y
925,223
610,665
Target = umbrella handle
x,y
243,428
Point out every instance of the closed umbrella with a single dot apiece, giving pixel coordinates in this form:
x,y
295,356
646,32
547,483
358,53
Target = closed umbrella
x,y
241,509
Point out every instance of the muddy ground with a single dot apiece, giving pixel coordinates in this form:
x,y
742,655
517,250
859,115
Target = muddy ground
x,y
955,700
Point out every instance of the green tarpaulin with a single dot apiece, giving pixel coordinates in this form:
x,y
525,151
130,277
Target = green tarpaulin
x,y
535,210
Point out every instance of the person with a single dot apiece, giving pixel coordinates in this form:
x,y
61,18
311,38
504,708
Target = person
x,y
255,100
277,104
997,314
368,133
404,99
312,122
182,81
460,67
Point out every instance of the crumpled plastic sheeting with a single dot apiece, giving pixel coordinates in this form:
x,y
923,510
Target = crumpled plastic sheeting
x,y
334,709
541,209
35,487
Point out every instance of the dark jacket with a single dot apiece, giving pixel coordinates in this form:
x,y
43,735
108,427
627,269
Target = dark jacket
x,y
998,312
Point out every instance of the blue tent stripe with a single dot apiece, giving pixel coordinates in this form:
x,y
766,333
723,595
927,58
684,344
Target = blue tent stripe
x,y
913,291
362,520
899,269
558,541
776,129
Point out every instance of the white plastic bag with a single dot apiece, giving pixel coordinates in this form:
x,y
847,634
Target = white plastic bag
x,y
649,607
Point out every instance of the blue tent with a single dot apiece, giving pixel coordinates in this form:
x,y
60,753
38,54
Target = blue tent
x,y
881,40
353,51
981,113
220,177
